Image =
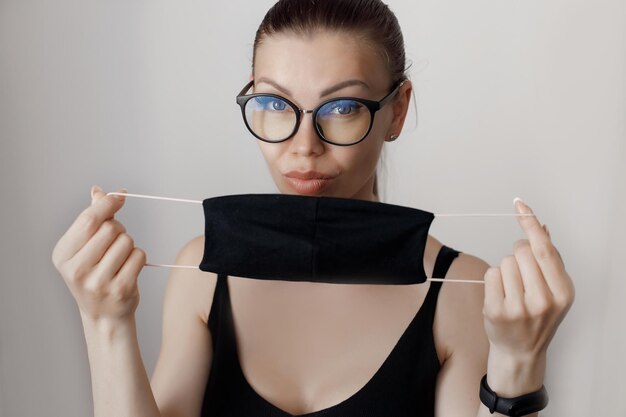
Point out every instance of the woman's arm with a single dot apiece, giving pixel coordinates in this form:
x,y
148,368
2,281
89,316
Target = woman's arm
x,y
459,328
119,381
184,363
100,264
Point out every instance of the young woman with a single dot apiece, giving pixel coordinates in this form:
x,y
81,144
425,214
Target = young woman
x,y
371,350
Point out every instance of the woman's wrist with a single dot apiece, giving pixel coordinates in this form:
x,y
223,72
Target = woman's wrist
x,y
512,375
108,329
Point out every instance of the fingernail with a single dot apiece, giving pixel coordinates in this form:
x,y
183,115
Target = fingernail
x,y
121,197
521,207
94,188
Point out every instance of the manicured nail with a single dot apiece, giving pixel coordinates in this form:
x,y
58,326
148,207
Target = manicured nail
x,y
94,188
121,197
521,207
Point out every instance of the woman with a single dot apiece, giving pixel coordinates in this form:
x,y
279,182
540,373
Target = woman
x,y
336,360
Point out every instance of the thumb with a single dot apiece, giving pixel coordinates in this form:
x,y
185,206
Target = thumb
x,y
96,193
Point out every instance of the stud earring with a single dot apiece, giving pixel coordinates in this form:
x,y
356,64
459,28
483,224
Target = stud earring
x,y
392,138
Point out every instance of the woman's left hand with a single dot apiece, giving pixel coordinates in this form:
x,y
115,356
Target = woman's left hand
x,y
528,295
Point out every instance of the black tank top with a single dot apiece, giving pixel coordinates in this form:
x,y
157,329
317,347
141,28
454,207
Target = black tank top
x,y
404,385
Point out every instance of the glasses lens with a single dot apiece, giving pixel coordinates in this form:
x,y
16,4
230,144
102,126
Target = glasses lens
x,y
344,121
270,117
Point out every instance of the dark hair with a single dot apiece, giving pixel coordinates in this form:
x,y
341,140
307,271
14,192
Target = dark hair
x,y
371,20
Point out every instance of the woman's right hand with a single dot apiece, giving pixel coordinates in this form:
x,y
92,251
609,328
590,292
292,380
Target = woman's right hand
x,y
99,262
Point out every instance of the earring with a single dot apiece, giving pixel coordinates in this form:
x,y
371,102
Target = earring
x,y
392,138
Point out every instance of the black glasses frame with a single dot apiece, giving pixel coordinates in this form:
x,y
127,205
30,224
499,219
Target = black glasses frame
x,y
372,105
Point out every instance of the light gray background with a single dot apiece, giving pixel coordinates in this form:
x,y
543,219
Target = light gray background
x,y
514,98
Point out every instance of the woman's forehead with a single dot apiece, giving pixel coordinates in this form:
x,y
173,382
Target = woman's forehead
x,y
310,64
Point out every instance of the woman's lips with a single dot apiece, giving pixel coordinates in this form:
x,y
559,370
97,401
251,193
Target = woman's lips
x,y
307,182
311,186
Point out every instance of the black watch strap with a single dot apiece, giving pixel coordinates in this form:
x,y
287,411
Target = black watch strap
x,y
516,406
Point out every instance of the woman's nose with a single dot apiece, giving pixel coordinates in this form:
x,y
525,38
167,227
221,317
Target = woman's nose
x,y
306,140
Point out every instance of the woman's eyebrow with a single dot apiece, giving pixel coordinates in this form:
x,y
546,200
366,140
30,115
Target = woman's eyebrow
x,y
343,84
324,93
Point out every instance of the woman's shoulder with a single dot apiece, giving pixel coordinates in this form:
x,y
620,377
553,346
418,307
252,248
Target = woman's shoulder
x,y
193,249
194,286
465,266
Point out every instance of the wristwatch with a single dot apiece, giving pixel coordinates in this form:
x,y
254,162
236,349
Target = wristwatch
x,y
515,406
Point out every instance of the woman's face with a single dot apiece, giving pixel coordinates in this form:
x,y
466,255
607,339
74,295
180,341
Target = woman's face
x,y
301,69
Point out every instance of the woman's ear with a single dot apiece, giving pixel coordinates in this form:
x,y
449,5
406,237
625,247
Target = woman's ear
x,y
400,105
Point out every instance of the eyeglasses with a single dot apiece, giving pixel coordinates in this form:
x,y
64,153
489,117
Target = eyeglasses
x,y
341,121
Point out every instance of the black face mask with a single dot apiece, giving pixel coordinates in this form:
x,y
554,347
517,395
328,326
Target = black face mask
x,y
314,238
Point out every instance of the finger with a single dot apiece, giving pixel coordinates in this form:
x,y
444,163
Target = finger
x,y
114,258
98,193
494,291
512,281
95,248
545,227
128,273
545,253
534,282
86,224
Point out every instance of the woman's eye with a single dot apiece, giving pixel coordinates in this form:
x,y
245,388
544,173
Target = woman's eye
x,y
278,105
344,107
271,103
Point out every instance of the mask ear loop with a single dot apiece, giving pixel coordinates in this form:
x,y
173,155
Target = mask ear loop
x,y
183,200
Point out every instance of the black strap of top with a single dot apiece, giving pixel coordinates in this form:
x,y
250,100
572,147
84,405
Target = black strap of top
x,y
444,259
216,306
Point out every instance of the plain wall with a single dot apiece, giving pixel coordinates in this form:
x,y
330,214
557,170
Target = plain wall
x,y
514,98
